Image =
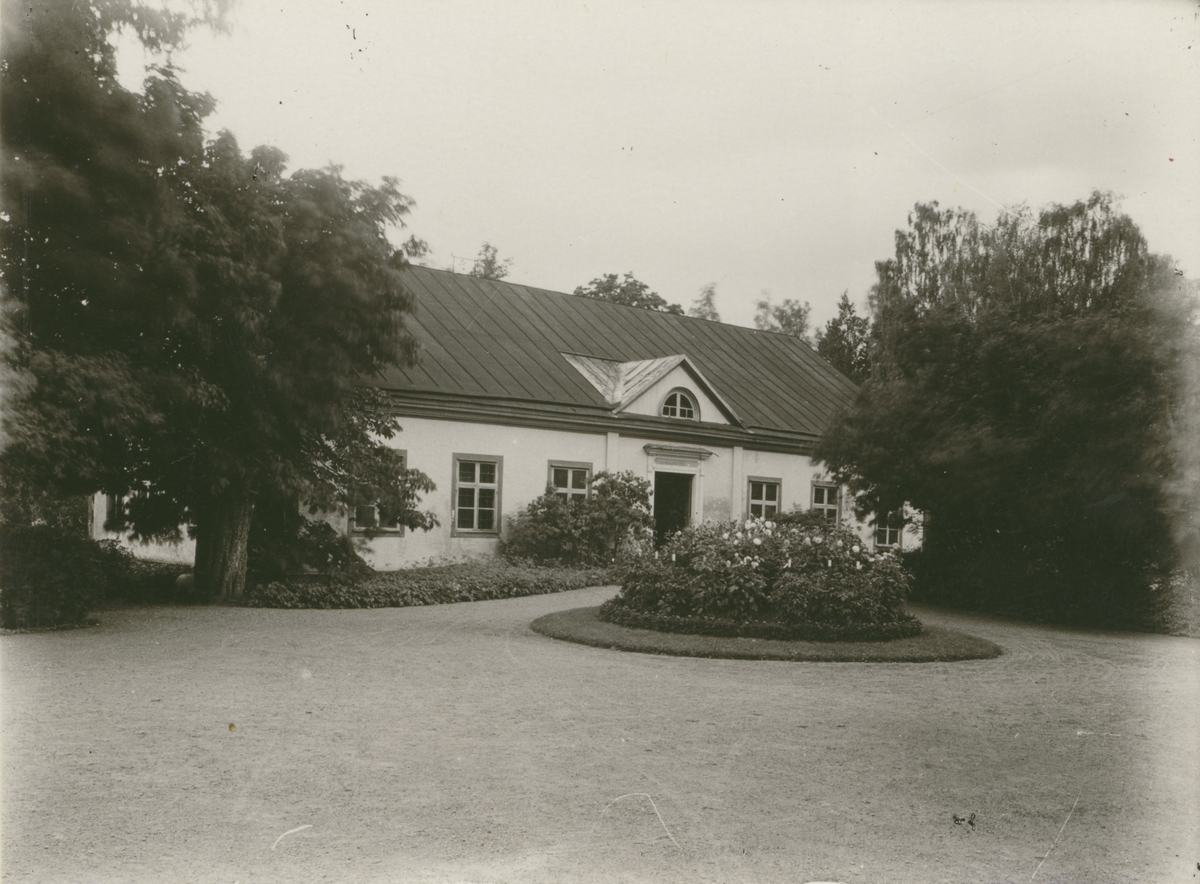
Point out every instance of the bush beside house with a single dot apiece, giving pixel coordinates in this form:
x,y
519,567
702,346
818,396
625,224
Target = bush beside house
x,y
612,522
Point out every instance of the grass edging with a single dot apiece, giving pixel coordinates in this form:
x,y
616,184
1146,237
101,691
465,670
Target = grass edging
x,y
934,644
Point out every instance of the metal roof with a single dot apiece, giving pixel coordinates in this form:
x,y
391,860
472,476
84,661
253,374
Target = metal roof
x,y
493,342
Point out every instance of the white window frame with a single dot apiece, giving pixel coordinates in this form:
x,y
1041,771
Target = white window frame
x,y
888,519
825,507
763,502
687,394
572,467
494,459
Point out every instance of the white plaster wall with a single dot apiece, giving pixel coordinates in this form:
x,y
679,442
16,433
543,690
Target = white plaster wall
x,y
650,402
183,552
794,472
430,447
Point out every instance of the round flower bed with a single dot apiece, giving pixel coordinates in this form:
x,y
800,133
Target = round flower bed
x,y
804,580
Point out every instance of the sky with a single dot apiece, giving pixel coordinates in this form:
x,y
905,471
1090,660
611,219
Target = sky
x,y
771,148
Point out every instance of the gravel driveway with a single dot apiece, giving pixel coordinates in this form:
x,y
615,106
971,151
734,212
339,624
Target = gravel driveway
x,y
453,744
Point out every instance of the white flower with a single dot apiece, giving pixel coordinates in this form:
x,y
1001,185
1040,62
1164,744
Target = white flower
x,y
840,544
770,524
725,536
817,539
856,549
808,540
858,566
758,541
749,524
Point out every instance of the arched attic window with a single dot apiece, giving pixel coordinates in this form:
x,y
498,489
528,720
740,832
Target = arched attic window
x,y
680,404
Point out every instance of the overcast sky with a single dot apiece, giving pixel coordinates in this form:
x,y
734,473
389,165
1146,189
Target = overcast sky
x,y
762,146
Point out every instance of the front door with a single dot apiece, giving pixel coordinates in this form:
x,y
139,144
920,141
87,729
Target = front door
x,y
672,503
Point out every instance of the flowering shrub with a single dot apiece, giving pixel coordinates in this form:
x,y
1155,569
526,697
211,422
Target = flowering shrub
x,y
808,577
614,521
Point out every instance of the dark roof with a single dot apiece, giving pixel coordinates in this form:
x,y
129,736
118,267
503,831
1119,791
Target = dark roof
x,y
496,347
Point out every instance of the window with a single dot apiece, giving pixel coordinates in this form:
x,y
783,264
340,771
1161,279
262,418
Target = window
x,y
679,404
114,510
477,494
375,518
570,481
825,501
763,497
887,531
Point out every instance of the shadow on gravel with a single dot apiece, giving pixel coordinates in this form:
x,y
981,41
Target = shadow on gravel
x,y
934,644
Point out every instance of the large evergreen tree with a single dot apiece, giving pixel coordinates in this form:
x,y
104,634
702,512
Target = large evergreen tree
x,y
1026,383
190,323
845,340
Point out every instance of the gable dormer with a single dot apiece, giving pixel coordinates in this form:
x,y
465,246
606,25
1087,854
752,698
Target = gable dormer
x,y
670,387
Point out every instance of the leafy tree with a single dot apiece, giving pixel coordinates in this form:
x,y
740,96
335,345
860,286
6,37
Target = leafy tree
x,y
788,318
629,291
488,265
1026,380
190,322
705,306
845,340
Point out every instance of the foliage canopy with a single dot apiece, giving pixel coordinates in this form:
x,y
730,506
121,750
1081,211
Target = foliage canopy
x,y
789,317
845,341
1026,381
191,323
705,306
629,291
489,265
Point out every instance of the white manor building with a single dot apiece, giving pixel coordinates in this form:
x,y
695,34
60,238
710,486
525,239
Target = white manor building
x,y
520,388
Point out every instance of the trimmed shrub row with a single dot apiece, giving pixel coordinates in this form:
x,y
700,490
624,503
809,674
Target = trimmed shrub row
x,y
800,578
906,627
471,581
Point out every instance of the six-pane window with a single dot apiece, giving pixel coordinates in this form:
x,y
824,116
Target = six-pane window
x,y
569,482
887,530
679,405
825,501
477,488
764,498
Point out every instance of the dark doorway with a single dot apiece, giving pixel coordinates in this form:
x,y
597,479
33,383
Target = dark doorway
x,y
672,503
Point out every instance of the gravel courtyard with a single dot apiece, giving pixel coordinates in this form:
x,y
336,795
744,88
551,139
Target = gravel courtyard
x,y
454,744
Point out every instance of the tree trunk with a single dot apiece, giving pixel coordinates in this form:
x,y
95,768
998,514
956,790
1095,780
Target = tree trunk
x,y
222,535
